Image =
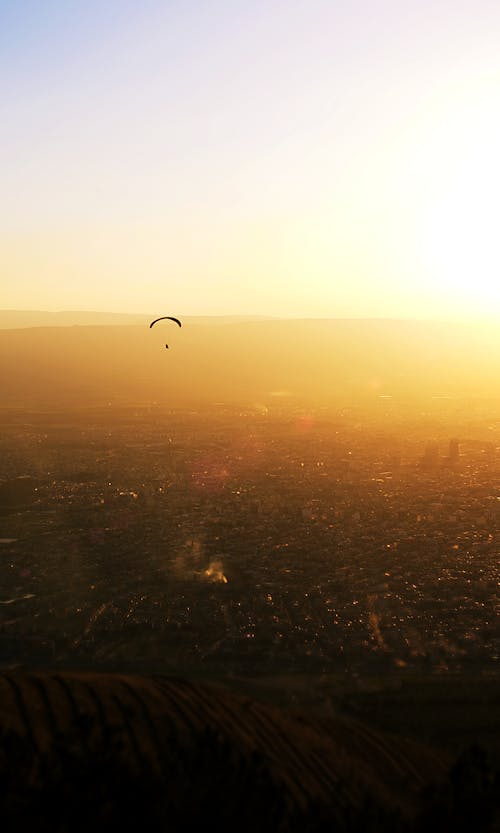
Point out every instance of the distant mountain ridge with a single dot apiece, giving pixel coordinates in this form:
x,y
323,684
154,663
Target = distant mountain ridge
x,y
11,319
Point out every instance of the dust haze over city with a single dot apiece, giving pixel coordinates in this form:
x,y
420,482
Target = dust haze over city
x,y
289,498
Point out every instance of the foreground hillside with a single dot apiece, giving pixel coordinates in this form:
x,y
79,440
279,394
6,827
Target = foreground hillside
x,y
130,752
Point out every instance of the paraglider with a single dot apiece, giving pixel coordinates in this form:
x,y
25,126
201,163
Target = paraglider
x,y
166,318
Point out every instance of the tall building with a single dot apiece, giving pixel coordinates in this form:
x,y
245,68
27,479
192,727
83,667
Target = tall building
x,y
454,451
431,456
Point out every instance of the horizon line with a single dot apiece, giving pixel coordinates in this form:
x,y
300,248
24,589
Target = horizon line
x,y
436,320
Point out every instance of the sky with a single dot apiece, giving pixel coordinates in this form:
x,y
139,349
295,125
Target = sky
x,y
297,158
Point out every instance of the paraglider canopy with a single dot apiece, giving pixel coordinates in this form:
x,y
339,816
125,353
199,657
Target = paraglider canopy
x,y
166,318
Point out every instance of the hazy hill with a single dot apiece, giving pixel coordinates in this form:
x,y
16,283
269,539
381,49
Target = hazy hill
x,y
256,361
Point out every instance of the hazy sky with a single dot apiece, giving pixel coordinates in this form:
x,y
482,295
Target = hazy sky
x,y
301,157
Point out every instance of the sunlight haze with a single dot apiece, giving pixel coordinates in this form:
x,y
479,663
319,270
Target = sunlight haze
x,y
295,159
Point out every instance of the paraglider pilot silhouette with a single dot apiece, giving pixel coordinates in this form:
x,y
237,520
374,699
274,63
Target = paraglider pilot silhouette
x,y
166,318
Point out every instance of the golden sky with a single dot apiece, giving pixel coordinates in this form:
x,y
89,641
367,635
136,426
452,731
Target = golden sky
x,y
285,159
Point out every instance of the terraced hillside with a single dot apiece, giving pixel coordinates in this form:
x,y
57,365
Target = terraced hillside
x,y
123,751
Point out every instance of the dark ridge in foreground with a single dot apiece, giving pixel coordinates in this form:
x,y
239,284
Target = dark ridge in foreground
x,y
122,752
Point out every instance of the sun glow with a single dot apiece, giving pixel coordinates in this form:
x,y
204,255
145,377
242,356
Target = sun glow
x,y
459,249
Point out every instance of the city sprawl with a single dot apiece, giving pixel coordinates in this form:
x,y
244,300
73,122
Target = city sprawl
x,y
253,540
